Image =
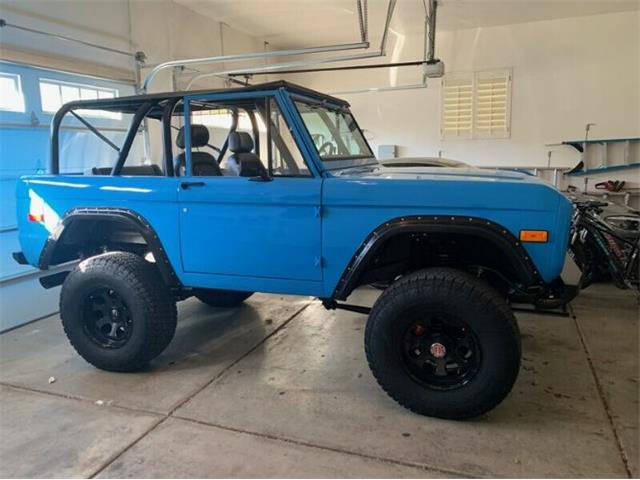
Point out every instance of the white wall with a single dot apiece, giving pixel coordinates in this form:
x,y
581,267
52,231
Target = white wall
x,y
162,29
566,73
104,22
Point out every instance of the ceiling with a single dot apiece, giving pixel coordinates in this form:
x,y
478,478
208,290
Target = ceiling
x,y
297,23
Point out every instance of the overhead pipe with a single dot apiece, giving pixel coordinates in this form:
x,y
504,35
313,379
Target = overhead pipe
x,y
363,17
248,56
432,66
283,66
136,55
363,44
414,86
431,19
414,63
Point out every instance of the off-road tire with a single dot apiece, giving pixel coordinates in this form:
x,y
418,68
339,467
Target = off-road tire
x,y
479,306
151,308
222,298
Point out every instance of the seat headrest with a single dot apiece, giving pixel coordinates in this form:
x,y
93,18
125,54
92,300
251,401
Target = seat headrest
x,y
240,142
199,136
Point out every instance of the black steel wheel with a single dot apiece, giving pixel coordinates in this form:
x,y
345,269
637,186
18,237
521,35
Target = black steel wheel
x,y
443,343
107,318
440,351
116,311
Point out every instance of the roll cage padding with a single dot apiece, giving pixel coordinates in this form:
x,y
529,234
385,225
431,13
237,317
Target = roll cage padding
x,y
501,237
121,216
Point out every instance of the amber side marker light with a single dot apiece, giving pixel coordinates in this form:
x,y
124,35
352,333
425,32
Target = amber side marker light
x,y
34,217
535,236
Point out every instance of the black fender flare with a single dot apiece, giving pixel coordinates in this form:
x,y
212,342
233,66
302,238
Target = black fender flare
x,y
502,237
118,215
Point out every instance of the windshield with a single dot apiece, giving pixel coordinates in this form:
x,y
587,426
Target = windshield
x,y
335,133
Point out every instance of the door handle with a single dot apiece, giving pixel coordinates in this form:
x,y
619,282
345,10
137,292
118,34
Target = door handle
x,y
185,185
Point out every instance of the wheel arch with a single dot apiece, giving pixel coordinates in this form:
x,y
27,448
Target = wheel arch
x,y
494,233
79,226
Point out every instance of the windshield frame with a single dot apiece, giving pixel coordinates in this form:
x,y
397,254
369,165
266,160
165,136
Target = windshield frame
x,y
338,161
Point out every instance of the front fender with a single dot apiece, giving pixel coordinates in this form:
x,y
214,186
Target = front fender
x,y
517,255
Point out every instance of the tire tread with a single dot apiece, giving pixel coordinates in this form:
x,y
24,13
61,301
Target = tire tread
x,y
160,313
443,281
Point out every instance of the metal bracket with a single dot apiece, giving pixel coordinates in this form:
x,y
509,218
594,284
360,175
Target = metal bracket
x,y
331,304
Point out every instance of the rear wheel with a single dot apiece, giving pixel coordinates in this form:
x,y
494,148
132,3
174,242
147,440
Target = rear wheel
x,y
443,343
222,298
116,312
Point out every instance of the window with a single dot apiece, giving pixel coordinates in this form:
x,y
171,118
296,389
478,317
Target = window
x,y
493,105
457,106
11,97
53,94
476,105
222,118
273,144
286,158
334,132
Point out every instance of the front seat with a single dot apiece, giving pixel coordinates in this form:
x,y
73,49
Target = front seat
x,y
243,160
203,164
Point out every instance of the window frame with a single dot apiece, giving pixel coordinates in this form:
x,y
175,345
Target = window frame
x,y
79,86
475,77
18,82
336,134
311,148
281,99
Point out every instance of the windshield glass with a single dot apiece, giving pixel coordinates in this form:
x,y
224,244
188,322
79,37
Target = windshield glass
x,y
334,132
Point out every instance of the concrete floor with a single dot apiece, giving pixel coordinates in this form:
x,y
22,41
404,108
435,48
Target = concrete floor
x,y
280,388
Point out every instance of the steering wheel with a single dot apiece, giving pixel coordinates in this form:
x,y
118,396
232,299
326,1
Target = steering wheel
x,y
327,149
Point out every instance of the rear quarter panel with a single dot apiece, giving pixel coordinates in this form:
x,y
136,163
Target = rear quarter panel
x,y
154,198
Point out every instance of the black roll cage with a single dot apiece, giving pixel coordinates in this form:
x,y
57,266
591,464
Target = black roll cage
x,y
168,108
161,106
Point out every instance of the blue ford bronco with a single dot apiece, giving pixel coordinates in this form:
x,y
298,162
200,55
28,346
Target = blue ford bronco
x,y
274,188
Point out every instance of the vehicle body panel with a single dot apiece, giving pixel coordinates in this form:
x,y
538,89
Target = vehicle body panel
x,y
367,200
423,162
293,235
233,226
153,198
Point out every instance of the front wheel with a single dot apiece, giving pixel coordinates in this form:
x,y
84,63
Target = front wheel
x,y
116,312
443,343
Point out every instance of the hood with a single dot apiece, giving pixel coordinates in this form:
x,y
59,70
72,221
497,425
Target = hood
x,y
422,162
434,173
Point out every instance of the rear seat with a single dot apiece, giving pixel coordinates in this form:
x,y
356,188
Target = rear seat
x,y
140,170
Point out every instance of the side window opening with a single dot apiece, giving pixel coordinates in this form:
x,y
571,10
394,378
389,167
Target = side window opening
x,y
286,159
96,130
244,138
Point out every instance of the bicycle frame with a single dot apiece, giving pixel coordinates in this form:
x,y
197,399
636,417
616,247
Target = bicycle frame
x,y
620,253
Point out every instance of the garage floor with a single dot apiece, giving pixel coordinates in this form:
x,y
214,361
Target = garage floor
x,y
280,387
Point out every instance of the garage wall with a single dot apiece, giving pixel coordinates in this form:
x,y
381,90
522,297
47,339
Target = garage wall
x,y
100,21
566,73
162,29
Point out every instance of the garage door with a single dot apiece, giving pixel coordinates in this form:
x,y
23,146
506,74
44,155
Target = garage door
x,y
29,97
